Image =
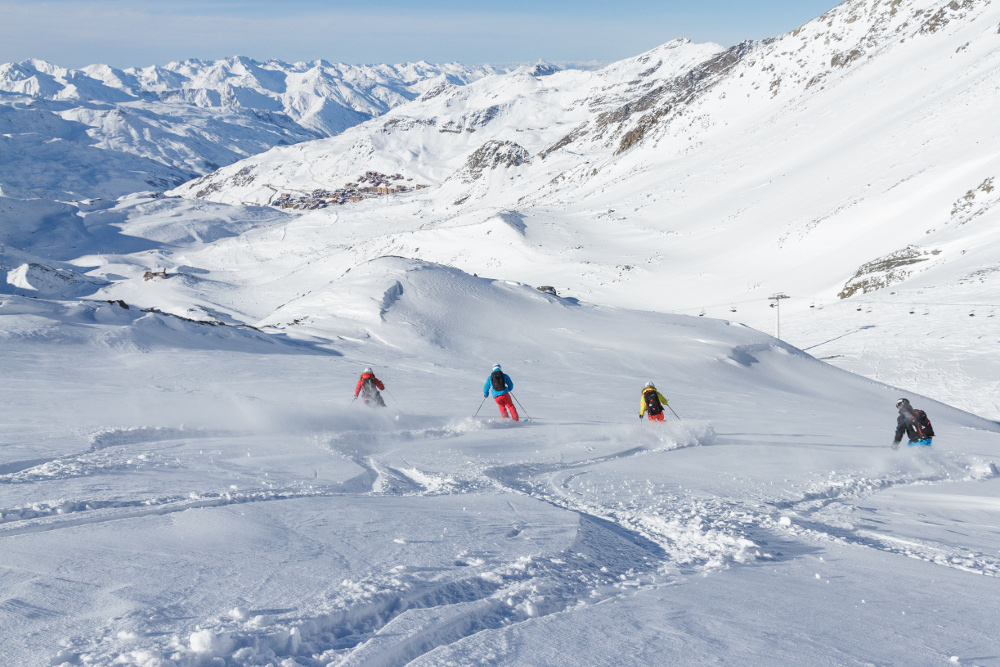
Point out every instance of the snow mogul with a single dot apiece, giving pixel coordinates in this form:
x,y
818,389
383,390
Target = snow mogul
x,y
499,385
368,387
914,423
651,403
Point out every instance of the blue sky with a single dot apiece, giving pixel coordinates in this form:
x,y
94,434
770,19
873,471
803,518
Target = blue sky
x,y
126,33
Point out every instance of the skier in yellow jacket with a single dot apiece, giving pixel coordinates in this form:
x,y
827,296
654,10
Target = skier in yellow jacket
x,y
652,403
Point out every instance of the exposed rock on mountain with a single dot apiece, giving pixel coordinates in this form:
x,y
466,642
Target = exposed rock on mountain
x,y
494,155
886,271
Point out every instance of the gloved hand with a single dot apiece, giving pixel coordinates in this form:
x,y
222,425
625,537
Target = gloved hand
x,y
895,445
640,416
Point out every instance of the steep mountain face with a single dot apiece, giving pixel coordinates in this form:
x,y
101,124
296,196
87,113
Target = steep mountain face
x,y
444,129
850,163
102,131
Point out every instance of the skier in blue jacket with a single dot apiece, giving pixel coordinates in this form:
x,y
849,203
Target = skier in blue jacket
x,y
499,385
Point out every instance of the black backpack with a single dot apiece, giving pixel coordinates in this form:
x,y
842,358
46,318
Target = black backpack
x,y
497,380
922,424
653,405
368,386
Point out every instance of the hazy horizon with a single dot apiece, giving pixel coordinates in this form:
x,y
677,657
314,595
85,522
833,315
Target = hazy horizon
x,y
76,33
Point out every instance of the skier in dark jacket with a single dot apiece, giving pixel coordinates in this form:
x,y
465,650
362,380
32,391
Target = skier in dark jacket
x,y
499,385
913,423
368,386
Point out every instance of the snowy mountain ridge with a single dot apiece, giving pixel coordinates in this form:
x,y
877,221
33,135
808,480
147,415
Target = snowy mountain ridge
x,y
643,98
155,127
319,96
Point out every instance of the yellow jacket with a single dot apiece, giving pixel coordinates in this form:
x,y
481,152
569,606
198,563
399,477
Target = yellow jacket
x,y
642,402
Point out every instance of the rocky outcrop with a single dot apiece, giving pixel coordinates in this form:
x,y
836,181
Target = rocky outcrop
x,y
494,155
885,271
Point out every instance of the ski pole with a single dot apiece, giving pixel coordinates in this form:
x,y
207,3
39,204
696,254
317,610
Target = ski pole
x,y
527,416
352,402
675,414
394,399
479,408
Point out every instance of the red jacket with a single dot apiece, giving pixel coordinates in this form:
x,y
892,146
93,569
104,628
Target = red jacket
x,y
361,382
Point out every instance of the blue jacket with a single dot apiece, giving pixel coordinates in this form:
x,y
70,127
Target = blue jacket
x,y
488,389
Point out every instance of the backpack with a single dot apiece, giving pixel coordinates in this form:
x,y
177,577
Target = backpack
x,y
368,386
653,405
498,381
922,424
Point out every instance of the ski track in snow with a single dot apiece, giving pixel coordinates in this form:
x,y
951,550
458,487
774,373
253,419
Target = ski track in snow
x,y
819,515
645,537
95,460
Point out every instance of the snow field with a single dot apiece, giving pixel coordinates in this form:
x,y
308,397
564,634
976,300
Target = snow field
x,y
281,523
938,342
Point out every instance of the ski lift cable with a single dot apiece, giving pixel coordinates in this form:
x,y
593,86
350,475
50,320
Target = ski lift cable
x,y
931,303
728,304
959,305
725,304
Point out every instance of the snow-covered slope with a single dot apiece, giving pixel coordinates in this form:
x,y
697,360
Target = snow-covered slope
x,y
851,163
106,132
186,481
189,494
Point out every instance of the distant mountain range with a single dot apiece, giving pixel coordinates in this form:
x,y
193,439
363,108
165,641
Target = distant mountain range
x,y
101,131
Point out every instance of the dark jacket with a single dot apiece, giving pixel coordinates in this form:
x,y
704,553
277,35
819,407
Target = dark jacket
x,y
915,425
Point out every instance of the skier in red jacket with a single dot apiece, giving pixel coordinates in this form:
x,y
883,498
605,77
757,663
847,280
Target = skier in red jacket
x,y
368,387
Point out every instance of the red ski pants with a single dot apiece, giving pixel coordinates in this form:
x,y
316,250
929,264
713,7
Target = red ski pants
x,y
503,400
655,418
